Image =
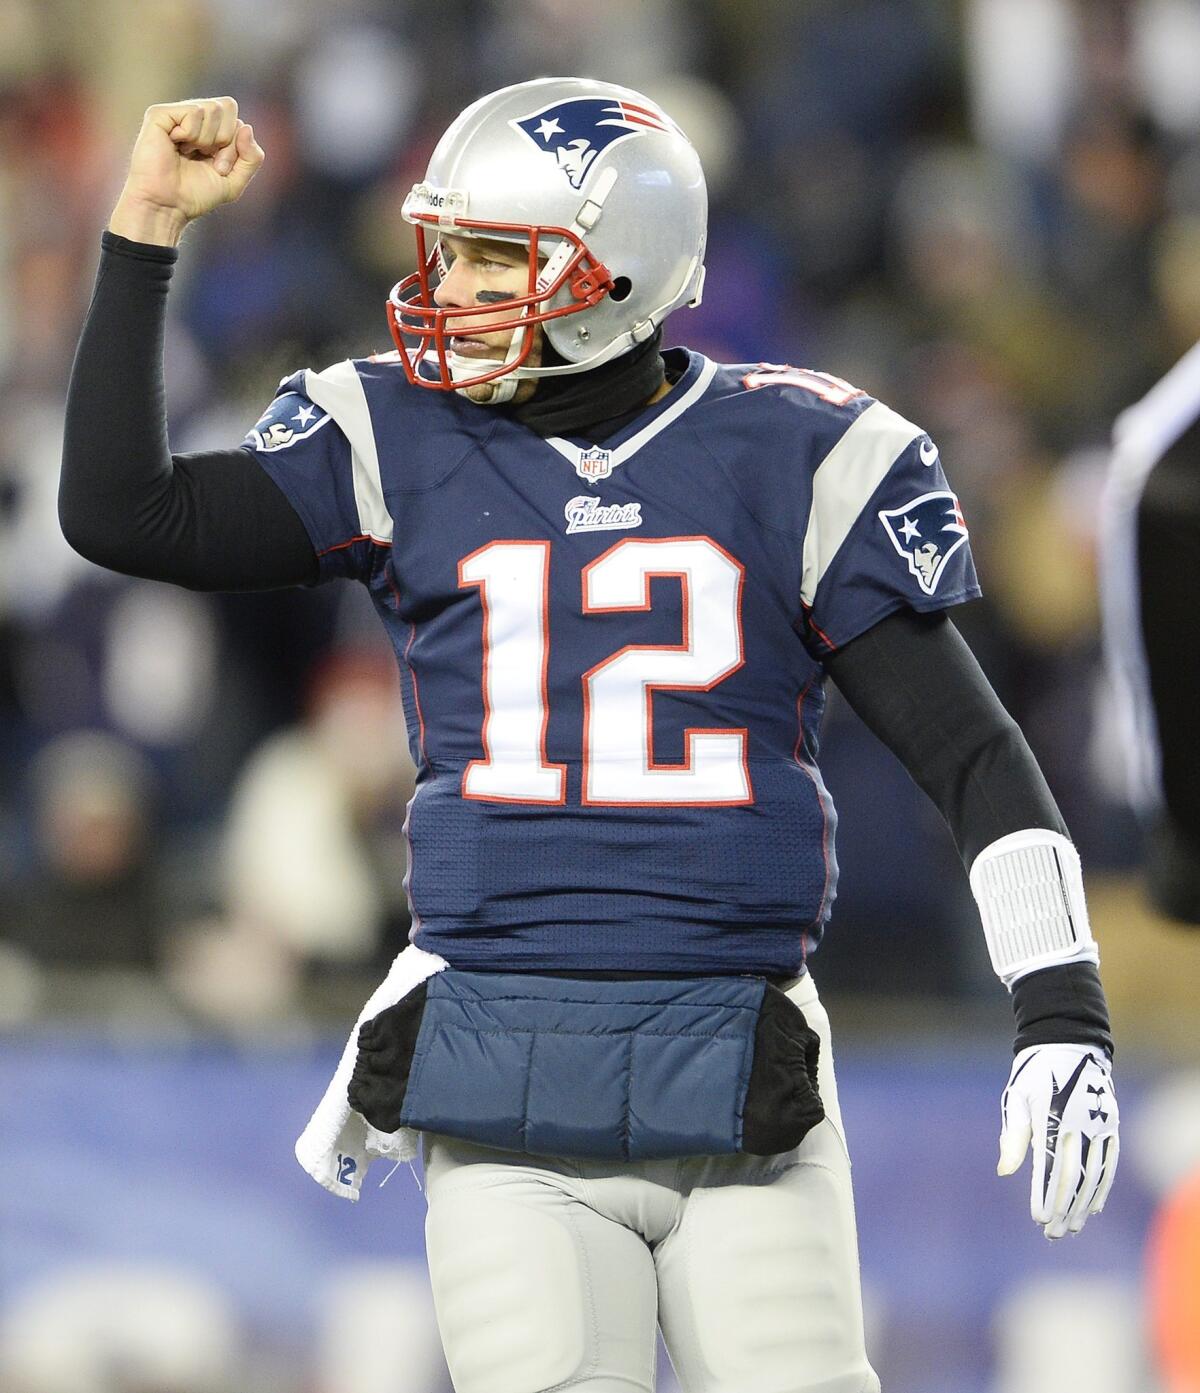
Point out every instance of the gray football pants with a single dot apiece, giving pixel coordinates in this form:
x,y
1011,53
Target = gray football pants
x,y
550,1273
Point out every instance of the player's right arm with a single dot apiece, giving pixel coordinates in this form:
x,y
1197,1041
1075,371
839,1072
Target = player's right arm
x,y
189,158
213,521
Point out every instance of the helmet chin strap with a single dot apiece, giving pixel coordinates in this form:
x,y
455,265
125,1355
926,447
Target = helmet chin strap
x,y
499,390
502,388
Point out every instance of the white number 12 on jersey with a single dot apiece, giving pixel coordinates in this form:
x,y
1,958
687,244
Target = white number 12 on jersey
x,y
618,723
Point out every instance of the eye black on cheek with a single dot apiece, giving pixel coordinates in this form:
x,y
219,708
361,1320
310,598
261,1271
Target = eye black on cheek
x,y
492,297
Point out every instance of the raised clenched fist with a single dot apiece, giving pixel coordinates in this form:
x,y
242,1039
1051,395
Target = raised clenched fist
x,y
189,158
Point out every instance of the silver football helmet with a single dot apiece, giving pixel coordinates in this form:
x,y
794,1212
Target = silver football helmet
x,y
604,190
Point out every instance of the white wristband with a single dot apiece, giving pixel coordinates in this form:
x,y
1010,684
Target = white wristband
x,y
1029,888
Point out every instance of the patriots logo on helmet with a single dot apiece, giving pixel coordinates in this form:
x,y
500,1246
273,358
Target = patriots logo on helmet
x,y
575,132
927,532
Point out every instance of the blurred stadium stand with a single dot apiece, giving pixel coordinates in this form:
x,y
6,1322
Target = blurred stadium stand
x,y
985,212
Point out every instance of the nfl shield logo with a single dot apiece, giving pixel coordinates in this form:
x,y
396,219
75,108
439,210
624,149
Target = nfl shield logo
x,y
594,463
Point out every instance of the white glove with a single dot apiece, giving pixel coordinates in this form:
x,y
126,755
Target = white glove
x,y
1061,1096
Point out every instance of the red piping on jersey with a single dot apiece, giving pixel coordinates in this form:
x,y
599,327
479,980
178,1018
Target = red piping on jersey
x,y
412,628
820,633
820,803
362,537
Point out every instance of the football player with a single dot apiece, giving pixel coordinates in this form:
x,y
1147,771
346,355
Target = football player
x,y
616,579
1150,578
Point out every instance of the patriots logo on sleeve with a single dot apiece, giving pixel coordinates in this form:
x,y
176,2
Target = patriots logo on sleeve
x,y
575,132
288,419
927,532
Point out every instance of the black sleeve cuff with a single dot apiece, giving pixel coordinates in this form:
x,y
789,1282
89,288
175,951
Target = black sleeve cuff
x,y
139,251
1062,1005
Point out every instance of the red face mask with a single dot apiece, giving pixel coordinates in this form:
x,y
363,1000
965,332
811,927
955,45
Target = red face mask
x,y
419,326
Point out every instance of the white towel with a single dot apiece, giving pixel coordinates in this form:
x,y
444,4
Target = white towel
x,y
339,1144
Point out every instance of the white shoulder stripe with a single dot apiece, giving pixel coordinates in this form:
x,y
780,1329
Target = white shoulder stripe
x,y
339,391
670,413
844,482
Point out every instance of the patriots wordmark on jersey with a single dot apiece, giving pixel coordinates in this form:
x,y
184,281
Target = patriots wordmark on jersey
x,y
612,657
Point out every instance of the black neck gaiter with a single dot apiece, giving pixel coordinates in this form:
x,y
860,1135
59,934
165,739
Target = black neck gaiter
x,y
594,403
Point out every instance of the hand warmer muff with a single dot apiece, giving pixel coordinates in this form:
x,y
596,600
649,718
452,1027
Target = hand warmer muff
x,y
635,1070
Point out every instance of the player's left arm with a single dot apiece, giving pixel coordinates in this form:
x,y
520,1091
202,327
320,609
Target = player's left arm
x,y
916,684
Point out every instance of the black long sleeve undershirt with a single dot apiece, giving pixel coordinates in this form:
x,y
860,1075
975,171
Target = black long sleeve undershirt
x,y
916,684
209,521
217,521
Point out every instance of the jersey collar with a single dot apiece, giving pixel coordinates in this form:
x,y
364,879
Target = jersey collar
x,y
643,428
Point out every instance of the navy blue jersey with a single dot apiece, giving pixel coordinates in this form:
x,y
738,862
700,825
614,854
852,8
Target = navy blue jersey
x,y
612,657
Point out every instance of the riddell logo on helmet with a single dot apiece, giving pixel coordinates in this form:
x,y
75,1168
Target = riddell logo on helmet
x,y
576,131
427,198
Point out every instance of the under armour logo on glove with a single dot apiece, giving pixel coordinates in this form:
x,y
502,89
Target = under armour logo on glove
x,y
1060,1097
1097,1111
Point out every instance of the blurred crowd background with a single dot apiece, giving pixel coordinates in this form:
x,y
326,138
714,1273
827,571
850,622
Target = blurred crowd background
x,y
984,212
